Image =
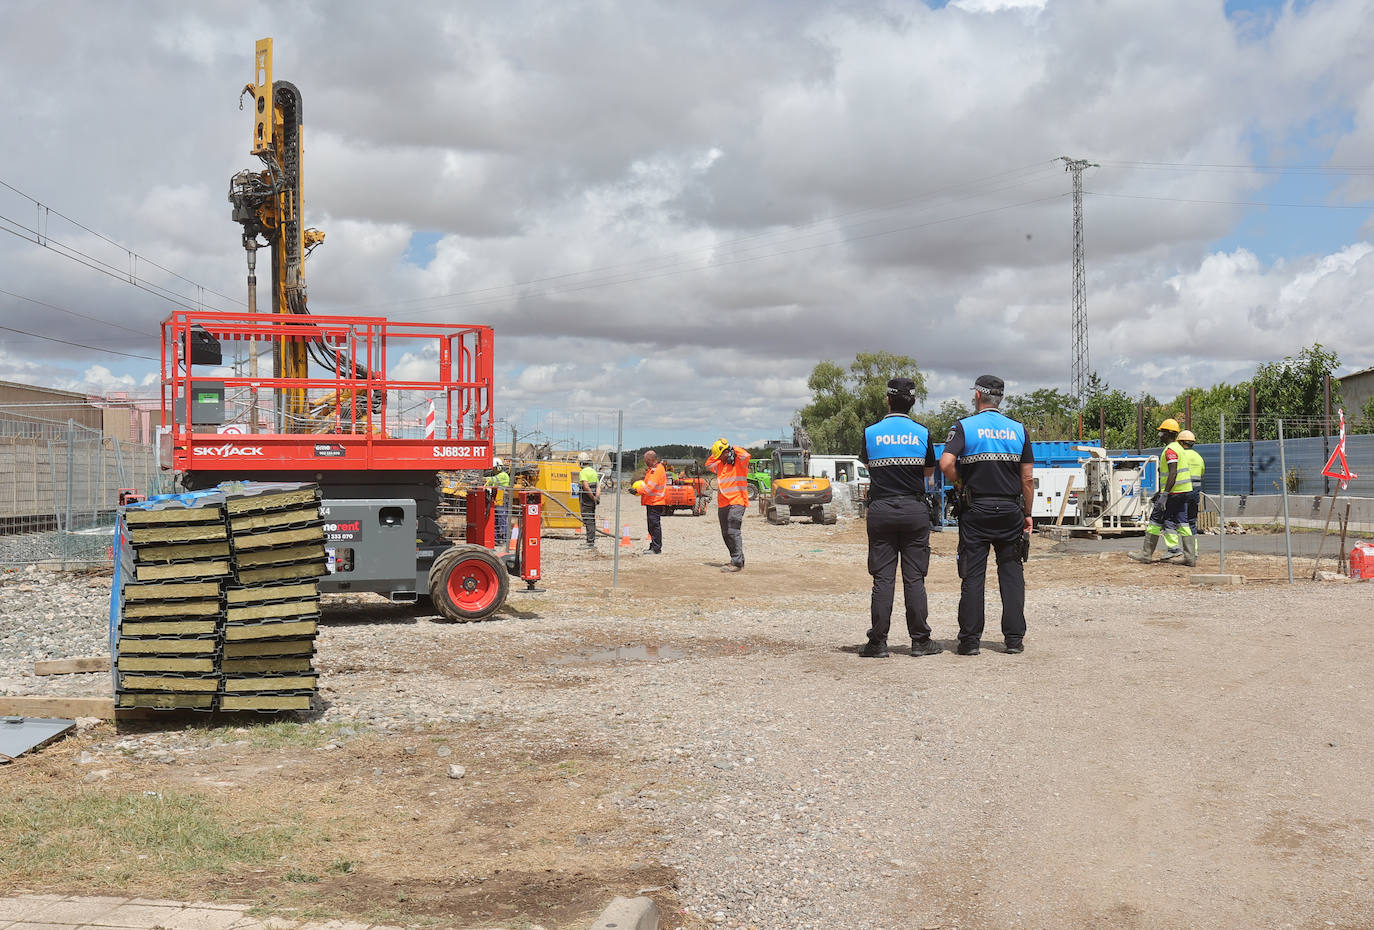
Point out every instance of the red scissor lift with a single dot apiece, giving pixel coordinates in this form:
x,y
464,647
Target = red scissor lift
x,y
350,431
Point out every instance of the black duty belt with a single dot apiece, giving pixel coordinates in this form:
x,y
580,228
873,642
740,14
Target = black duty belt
x,y
996,497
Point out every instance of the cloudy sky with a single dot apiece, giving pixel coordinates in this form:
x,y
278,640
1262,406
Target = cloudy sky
x,y
679,208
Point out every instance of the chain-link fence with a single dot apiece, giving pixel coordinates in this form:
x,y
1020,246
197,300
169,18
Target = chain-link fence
x,y
59,488
1275,515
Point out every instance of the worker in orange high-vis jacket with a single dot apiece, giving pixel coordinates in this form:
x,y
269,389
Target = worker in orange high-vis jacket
x,y
731,465
652,496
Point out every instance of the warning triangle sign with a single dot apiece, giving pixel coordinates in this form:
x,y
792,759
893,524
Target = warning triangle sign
x,y
1337,466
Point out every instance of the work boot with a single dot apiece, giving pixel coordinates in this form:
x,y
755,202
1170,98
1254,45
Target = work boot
x,y
874,649
1190,551
968,649
925,647
732,568
1147,549
1171,553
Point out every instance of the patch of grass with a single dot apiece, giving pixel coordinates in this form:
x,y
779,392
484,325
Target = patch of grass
x,y
342,866
278,734
301,878
50,832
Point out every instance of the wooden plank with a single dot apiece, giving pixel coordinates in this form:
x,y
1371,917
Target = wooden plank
x,y
272,500
72,707
272,611
258,521
275,593
1064,502
72,666
264,702
279,538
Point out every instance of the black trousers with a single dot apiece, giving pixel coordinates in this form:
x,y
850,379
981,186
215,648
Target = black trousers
x,y
898,529
997,523
1194,500
654,515
731,522
588,504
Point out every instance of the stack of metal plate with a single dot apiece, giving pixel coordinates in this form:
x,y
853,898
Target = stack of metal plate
x,y
169,603
272,604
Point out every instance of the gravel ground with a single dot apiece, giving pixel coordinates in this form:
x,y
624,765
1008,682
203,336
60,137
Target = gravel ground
x,y
1161,756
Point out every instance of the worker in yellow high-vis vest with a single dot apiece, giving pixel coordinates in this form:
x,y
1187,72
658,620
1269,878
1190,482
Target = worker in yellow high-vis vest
x,y
1169,518
1196,467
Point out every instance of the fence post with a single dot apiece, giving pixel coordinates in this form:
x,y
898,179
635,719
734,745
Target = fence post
x,y
1252,437
619,490
1188,411
71,441
1326,429
1283,483
1221,505
1139,428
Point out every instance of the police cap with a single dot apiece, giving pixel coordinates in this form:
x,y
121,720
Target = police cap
x,y
902,387
991,385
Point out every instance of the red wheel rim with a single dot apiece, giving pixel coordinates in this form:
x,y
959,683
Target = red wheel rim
x,y
472,584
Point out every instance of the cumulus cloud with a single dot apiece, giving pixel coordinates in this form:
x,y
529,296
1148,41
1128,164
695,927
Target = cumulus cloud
x,y
678,209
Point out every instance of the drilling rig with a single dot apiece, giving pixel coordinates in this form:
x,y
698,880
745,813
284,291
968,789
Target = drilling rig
x,y
329,413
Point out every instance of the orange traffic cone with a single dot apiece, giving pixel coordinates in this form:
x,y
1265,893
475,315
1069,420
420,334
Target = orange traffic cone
x,y
625,537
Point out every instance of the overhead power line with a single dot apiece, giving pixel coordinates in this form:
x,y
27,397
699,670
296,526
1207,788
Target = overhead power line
x,y
79,345
93,319
38,235
1236,203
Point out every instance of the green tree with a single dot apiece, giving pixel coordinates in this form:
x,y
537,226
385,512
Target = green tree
x,y
1048,413
1294,389
939,421
843,403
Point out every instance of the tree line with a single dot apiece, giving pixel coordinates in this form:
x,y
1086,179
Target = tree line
x,y
844,401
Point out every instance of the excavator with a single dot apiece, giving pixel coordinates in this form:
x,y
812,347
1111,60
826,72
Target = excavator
x,y
335,425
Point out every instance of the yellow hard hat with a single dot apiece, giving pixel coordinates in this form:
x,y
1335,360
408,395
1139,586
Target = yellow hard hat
x,y
1170,425
636,487
719,446
1187,436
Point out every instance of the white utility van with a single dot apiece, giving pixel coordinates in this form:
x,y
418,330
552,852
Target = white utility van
x,y
846,469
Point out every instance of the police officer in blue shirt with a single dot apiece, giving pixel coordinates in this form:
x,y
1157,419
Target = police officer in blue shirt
x,y
988,459
898,452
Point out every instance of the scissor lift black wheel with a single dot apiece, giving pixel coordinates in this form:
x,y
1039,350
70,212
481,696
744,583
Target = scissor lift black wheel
x,y
468,583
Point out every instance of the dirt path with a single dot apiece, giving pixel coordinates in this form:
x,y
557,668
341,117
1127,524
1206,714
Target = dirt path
x,y
1162,756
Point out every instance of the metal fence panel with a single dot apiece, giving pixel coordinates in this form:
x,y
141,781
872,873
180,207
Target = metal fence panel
x,y
59,487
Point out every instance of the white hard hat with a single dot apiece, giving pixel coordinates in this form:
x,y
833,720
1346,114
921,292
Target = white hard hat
x,y
583,458
497,462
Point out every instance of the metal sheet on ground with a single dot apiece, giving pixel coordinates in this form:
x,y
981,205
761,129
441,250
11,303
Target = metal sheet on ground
x,y
18,735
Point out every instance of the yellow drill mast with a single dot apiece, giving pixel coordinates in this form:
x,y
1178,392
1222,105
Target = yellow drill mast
x,y
268,204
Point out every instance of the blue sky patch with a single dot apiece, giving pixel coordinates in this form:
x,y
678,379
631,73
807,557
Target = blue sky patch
x,y
420,252
1276,232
